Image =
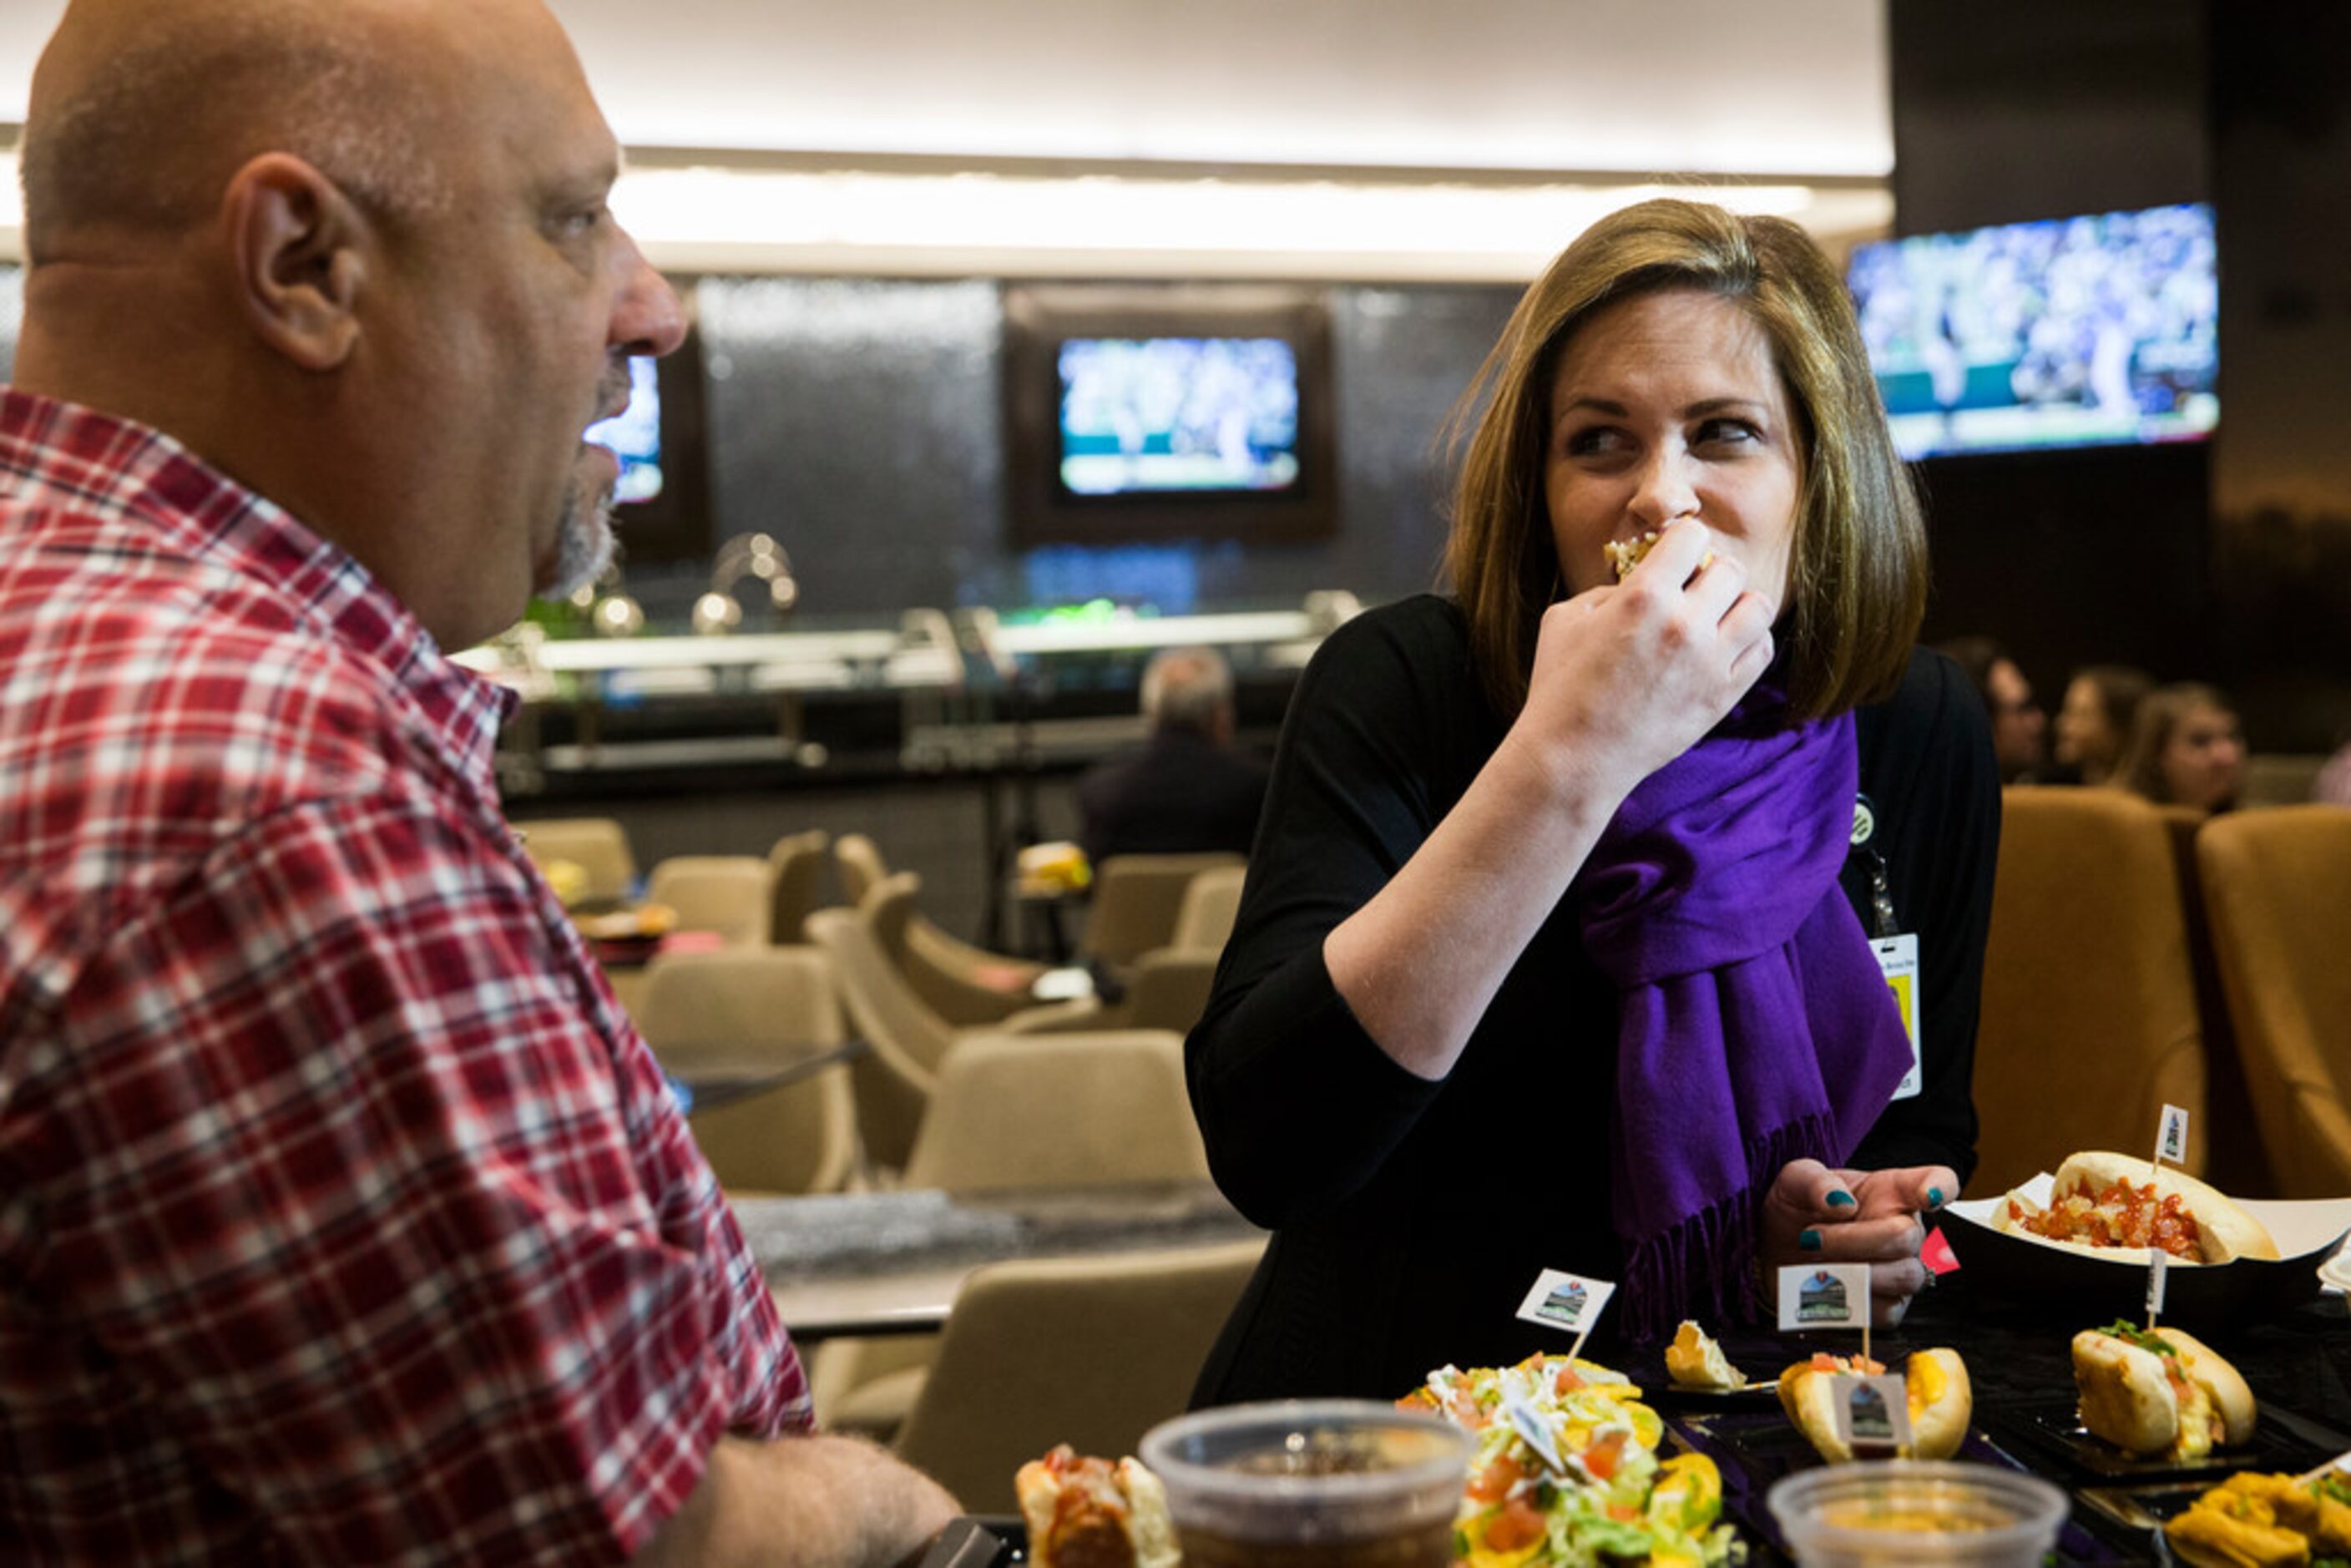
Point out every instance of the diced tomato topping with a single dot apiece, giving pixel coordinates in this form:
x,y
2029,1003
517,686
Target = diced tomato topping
x,y
1496,1480
2126,1214
1568,1381
1602,1458
1518,1524
1623,1512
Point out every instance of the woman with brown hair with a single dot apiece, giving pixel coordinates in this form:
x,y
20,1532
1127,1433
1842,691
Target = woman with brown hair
x,y
2185,749
2094,722
1549,957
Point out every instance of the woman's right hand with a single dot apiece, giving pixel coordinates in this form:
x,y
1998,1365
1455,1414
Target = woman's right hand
x,y
1628,676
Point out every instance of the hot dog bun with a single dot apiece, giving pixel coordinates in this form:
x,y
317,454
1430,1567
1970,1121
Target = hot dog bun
x,y
1940,1399
2164,1393
1090,1511
2225,1231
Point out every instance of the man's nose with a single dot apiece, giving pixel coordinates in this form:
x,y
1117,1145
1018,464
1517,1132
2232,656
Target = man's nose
x,y
648,318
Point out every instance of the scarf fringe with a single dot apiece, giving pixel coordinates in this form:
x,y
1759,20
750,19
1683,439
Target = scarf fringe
x,y
1703,1266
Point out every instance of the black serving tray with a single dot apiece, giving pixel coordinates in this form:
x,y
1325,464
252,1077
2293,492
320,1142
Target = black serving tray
x,y
980,1541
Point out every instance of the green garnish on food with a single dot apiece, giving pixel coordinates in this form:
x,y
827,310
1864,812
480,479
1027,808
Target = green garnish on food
x,y
2146,1339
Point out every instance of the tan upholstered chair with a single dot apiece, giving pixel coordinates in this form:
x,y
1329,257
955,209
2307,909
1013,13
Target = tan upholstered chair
x,y
963,984
905,1039
1092,1351
2089,1024
739,1008
1211,900
1016,1111
1136,900
1057,1110
1167,988
795,883
597,845
2277,887
859,861
725,893
2235,1161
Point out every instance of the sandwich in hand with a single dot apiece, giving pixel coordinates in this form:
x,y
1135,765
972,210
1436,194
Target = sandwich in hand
x,y
2115,1205
1090,1514
1624,555
2159,1392
1940,1399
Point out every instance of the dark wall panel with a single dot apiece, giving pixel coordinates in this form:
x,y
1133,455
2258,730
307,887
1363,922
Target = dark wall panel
x,y
860,423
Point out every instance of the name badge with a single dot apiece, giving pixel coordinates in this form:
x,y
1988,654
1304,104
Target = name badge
x,y
1897,960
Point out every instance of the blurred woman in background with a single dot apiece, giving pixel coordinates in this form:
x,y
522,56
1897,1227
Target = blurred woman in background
x,y
2186,748
2094,723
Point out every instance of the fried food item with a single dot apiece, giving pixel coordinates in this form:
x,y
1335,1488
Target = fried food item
x,y
1935,1382
1624,555
2255,1520
2164,1392
1695,1360
1092,1514
2115,1205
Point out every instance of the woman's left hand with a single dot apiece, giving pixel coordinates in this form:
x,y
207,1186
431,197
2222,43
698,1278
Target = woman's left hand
x,y
1816,1215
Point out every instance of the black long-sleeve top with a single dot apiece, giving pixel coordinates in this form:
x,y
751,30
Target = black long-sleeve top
x,y
1410,1217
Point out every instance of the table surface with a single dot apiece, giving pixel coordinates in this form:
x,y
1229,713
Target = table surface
x,y
713,1077
891,1262
2297,1360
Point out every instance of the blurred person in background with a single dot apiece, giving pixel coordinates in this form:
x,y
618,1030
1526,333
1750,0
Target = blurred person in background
x,y
2095,721
2333,785
2019,727
1187,789
349,1219
2186,749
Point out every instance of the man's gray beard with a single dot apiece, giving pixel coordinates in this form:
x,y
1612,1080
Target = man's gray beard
x,y
584,543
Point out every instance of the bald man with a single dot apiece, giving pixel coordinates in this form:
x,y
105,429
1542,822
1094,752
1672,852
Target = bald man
x,y
345,1218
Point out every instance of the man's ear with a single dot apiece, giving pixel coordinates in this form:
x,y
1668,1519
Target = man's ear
x,y
300,249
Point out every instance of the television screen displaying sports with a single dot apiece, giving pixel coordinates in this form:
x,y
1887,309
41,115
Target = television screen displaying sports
x,y
634,434
2067,332
1178,415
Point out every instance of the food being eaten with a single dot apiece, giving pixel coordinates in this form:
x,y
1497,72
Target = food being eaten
x,y
2159,1392
2113,1206
1610,1497
1624,555
1695,1360
2265,1520
1941,1402
1092,1514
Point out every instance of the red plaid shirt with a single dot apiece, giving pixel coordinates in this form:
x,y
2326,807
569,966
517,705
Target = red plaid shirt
x,y
343,1216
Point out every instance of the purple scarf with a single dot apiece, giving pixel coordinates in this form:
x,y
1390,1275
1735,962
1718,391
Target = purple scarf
x,y
1754,1026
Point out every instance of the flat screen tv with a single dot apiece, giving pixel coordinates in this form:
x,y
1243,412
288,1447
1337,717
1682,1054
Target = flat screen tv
x,y
662,498
2088,331
1191,411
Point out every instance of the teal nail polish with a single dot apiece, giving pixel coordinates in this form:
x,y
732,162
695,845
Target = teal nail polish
x,y
1810,1241
1841,1200
1934,1197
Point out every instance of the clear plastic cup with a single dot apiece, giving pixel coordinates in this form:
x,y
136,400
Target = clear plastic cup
x,y
1323,1483
1910,1511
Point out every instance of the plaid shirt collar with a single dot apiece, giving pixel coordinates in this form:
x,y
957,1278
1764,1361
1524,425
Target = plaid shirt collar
x,y
62,457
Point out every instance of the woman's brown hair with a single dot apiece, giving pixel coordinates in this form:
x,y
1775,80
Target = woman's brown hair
x,y
1857,570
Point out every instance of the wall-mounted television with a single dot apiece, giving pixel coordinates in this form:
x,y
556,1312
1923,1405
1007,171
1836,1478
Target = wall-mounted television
x,y
1180,412
2085,331
662,507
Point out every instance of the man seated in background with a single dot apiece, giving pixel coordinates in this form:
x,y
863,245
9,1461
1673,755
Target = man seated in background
x,y
2019,727
1186,788
345,1218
